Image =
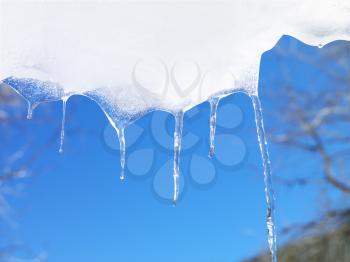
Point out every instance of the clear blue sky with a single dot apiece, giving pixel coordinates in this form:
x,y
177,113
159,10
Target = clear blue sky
x,y
78,210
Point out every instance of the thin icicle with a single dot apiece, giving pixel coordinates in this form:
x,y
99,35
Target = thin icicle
x,y
177,150
269,193
64,103
214,102
30,110
120,132
31,107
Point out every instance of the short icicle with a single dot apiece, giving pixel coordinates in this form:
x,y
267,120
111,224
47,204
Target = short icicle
x,y
64,104
30,110
121,137
269,193
214,102
177,149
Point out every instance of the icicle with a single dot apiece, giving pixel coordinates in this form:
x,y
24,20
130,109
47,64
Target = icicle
x,y
214,102
269,193
120,132
177,149
30,110
64,103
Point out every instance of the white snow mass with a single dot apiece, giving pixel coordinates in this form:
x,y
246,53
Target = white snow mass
x,y
164,54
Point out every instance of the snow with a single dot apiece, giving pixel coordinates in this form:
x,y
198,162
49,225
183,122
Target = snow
x,y
168,55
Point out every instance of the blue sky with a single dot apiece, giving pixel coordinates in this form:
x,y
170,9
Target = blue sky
x,y
76,209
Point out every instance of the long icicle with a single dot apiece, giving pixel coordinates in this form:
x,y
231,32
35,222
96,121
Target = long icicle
x,y
121,137
177,151
269,193
64,104
214,102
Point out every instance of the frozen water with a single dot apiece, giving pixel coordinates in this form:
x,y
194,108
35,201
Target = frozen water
x,y
269,193
121,136
214,102
64,105
177,149
35,91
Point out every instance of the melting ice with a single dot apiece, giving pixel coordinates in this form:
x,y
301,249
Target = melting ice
x,y
132,57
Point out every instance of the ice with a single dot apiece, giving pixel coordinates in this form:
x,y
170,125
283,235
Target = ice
x,y
121,137
269,193
64,105
31,108
214,102
177,149
35,91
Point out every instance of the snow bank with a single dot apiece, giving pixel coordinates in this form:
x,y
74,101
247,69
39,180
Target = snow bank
x,y
145,55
